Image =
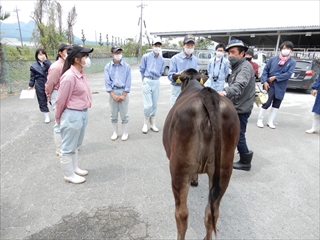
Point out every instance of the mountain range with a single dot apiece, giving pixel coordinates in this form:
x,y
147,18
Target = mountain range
x,y
11,30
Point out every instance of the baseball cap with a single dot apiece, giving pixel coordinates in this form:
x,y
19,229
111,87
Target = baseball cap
x,y
250,52
116,48
236,43
75,49
63,46
189,38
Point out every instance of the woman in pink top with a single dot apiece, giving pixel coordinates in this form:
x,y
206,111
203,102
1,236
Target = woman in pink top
x,y
73,100
52,86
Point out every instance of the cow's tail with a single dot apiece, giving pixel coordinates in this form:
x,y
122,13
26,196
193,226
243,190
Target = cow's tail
x,y
210,100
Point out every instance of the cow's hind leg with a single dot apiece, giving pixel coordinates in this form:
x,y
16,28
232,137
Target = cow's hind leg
x,y
180,188
194,180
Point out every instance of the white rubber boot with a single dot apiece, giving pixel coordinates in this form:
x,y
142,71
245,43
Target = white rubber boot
x,y
260,117
58,142
125,134
315,124
145,125
67,169
47,117
153,124
272,115
115,131
76,169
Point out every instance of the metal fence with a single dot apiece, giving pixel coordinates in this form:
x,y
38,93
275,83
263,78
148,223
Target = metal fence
x,y
15,74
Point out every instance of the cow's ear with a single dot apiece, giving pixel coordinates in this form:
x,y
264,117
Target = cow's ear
x,y
175,77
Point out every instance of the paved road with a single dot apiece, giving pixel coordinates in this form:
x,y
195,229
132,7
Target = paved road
x,y
128,195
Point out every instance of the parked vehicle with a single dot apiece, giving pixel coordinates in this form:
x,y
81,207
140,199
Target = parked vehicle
x,y
305,74
203,59
261,59
167,54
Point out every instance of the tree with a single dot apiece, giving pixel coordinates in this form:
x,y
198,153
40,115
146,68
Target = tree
x,y
71,21
83,38
59,15
107,42
44,16
3,16
100,40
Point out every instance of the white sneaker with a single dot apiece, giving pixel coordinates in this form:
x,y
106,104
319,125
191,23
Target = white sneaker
x,y
310,131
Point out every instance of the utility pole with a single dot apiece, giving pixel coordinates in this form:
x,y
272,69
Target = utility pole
x,y
140,22
16,10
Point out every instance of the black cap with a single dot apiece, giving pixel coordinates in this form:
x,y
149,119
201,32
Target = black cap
x,y
250,52
63,46
116,48
75,49
189,38
157,43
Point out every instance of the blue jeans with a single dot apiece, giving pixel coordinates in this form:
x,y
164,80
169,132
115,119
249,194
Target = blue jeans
x,y
242,143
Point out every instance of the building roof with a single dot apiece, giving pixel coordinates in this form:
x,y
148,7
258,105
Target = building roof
x,y
303,37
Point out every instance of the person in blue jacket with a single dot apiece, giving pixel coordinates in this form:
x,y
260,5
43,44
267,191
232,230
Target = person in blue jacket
x,y
38,79
316,107
275,78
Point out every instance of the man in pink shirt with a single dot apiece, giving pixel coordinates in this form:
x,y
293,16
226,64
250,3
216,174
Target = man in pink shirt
x,y
52,86
73,101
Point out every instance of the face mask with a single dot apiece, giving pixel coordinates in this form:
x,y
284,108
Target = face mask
x,y
249,58
189,51
117,57
219,54
233,60
285,52
87,63
156,50
65,57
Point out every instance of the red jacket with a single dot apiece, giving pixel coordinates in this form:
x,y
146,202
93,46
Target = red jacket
x,y
255,68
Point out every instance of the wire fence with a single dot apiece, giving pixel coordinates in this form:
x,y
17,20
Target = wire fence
x,y
15,74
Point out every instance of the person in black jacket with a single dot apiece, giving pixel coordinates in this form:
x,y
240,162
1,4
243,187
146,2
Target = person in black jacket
x,y
38,78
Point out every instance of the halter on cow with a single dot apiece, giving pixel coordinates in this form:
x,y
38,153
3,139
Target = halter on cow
x,y
200,135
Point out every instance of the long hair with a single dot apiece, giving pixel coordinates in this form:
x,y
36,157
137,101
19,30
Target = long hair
x,y
70,61
38,51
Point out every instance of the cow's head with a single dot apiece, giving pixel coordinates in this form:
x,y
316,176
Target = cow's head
x,y
189,74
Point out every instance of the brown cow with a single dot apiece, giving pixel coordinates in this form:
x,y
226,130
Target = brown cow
x,y
200,135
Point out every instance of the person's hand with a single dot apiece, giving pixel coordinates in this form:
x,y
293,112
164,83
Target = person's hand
x,y
48,97
266,86
114,96
29,88
314,92
271,79
122,98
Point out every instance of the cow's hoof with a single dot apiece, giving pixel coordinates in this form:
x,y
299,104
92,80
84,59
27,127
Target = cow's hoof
x,y
194,183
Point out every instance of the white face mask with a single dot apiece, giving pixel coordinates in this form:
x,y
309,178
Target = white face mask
x,y
285,52
117,57
156,50
65,57
188,51
219,54
87,63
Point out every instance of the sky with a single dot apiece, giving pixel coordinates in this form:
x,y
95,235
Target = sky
x,y
120,18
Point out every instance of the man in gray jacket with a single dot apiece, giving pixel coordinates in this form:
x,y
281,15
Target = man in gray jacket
x,y
241,91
